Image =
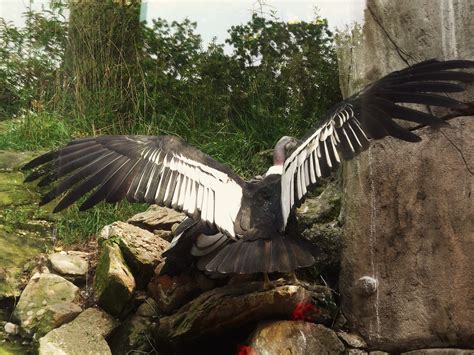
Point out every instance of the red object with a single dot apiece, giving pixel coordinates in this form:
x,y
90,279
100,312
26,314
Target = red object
x,y
246,350
305,311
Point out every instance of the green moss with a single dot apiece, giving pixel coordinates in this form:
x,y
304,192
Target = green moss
x,y
10,161
15,251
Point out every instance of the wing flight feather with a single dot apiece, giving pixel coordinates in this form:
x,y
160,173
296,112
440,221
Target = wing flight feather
x,y
152,169
349,126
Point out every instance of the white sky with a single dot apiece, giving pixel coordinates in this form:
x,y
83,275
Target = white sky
x,y
214,18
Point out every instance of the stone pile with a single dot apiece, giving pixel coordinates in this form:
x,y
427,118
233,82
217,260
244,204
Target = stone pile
x,y
135,309
181,310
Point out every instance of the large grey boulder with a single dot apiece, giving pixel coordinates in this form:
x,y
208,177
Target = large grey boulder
x,y
46,302
296,338
232,306
406,271
84,335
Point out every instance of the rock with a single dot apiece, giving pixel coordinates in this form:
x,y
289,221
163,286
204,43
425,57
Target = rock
x,y
408,211
353,340
11,328
11,161
430,31
340,322
13,192
355,352
166,235
328,237
15,251
148,309
21,237
366,286
69,264
84,335
46,302
157,218
171,292
440,352
297,338
418,301
141,249
233,306
114,283
321,209
136,332
318,222
378,353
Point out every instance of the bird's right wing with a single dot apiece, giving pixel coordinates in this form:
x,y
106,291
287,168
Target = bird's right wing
x,y
154,169
350,125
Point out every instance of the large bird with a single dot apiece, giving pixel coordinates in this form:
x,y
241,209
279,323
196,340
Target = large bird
x,y
233,225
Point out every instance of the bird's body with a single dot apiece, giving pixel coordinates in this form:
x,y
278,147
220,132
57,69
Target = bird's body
x,y
233,225
262,242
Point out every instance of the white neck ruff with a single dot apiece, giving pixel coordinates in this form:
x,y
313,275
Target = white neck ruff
x,y
275,169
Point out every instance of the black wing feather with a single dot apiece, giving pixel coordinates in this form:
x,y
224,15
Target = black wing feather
x,y
370,114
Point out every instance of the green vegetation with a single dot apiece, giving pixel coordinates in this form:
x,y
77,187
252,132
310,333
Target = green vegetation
x,y
100,71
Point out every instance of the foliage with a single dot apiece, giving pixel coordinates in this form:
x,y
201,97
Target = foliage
x,y
29,58
102,72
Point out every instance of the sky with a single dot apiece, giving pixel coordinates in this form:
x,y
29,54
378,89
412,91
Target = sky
x,y
214,18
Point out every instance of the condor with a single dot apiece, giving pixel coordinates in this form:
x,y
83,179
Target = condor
x,y
233,225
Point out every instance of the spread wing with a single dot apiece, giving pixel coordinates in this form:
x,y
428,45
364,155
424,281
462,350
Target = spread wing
x,y
152,169
350,125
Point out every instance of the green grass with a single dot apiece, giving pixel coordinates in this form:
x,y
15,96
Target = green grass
x,y
34,131
75,226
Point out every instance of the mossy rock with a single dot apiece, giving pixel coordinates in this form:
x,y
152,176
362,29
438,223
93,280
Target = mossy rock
x,y
141,249
114,283
22,235
13,192
46,302
15,251
10,161
133,335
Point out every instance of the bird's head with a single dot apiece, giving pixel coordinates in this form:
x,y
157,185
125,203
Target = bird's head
x,y
283,149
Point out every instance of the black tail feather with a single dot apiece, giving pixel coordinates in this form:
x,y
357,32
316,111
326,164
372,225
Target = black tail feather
x,y
277,254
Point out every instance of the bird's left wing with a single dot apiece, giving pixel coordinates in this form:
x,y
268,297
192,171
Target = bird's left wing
x,y
153,169
350,125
